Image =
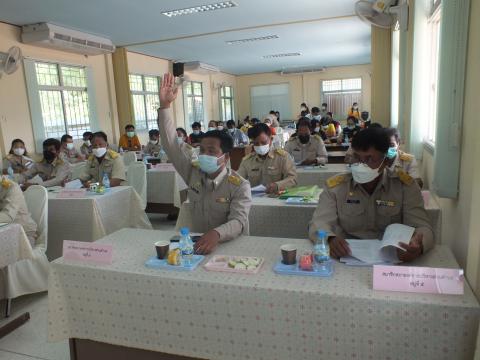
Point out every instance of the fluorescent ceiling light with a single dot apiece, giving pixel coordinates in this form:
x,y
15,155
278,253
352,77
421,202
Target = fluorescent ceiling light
x,y
280,55
242,41
200,9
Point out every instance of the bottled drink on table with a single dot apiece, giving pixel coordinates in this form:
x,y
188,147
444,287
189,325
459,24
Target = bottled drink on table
x,y
321,249
105,181
186,245
10,172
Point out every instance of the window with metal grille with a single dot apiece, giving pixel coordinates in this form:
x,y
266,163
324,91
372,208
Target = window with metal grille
x,y
145,99
193,103
341,94
226,103
64,99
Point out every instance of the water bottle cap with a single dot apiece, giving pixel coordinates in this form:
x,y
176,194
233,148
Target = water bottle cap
x,y
184,231
322,233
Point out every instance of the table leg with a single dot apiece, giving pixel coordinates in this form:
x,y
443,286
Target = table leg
x,y
14,324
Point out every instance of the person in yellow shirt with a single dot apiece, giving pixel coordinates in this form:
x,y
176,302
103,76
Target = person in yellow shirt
x,y
129,141
353,111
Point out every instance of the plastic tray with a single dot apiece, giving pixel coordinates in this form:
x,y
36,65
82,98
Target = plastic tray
x,y
156,263
319,270
300,201
220,263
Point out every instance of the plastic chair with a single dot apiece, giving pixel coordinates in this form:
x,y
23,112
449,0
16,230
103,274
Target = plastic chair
x,y
31,275
137,178
129,157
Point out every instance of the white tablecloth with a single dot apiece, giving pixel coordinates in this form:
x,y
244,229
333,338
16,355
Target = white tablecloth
x,y
266,316
164,185
272,217
317,175
92,217
14,245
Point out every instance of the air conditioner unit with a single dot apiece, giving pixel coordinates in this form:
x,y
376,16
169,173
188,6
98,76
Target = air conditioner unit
x,y
60,38
299,71
200,68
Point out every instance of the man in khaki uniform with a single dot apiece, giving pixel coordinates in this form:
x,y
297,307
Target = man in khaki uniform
x,y
398,159
153,147
305,148
13,209
265,165
362,204
103,161
52,170
220,199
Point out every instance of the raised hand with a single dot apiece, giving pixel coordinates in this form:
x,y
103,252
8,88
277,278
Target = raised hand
x,y
168,91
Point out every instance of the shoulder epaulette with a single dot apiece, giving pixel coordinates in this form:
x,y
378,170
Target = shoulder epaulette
x,y
318,137
404,177
91,157
281,152
235,180
335,181
9,156
112,154
248,156
195,164
6,183
406,157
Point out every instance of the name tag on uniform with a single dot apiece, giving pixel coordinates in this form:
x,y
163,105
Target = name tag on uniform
x,y
385,203
255,169
296,149
195,188
271,168
223,200
353,201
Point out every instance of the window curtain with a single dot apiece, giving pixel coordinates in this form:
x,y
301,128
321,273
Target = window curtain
x,y
340,103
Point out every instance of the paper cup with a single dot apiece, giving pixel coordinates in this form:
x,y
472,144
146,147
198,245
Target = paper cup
x,y
162,248
289,254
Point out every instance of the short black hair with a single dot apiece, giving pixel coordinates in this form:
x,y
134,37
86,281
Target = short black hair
x,y
372,137
325,104
100,134
330,113
196,124
14,141
226,141
304,122
352,118
272,112
255,121
182,130
88,133
257,129
65,138
393,132
315,109
51,141
129,126
153,132
375,125
231,122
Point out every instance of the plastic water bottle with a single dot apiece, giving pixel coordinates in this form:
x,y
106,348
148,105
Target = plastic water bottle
x,y
346,140
121,150
163,156
105,181
10,172
321,249
186,245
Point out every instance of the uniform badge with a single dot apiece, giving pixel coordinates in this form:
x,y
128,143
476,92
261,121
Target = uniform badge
x,y
257,169
223,200
353,201
195,187
385,203
271,168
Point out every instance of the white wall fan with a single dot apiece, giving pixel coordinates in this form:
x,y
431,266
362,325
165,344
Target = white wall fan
x,y
10,60
384,14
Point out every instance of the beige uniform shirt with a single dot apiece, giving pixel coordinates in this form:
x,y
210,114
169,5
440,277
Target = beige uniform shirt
x,y
221,204
277,167
346,210
152,149
112,164
314,149
18,164
52,174
13,209
71,156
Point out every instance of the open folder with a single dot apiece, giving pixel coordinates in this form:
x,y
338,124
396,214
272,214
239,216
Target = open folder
x,y
371,252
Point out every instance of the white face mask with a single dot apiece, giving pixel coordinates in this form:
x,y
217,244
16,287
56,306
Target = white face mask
x,y
317,117
231,131
220,128
351,127
262,150
362,173
70,146
196,132
179,140
154,142
87,142
355,108
99,152
19,151
324,108
212,128
317,129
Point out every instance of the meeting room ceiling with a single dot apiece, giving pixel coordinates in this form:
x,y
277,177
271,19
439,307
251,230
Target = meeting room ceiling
x,y
315,33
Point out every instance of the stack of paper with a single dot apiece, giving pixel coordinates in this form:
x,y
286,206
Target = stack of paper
x,y
375,252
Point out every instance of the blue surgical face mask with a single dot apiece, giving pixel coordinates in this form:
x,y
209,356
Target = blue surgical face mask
x,y
209,164
392,152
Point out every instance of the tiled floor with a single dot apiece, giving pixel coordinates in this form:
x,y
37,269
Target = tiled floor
x,y
30,341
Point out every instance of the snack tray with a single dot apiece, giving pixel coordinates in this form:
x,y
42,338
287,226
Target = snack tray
x,y
162,264
319,270
220,263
